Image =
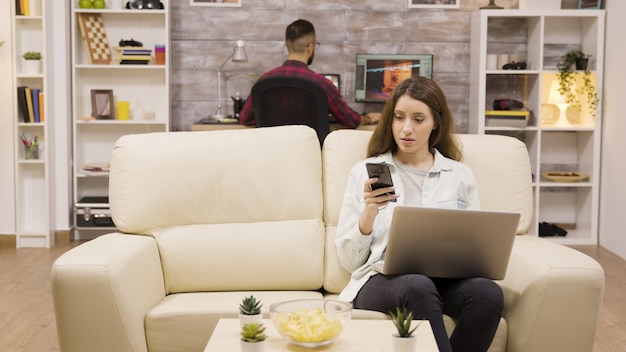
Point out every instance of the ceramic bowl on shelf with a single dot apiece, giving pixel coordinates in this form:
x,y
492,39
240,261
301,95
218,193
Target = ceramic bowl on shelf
x,y
565,176
311,322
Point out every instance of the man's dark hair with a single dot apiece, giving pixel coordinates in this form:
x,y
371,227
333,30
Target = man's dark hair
x,y
298,29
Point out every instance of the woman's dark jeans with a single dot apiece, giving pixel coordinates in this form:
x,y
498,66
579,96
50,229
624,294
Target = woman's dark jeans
x,y
475,303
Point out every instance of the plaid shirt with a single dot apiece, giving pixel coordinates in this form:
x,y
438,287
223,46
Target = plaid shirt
x,y
336,105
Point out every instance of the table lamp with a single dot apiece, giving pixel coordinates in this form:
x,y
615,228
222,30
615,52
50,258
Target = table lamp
x,y
238,55
555,97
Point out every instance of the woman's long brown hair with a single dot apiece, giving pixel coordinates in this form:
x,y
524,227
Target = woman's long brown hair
x,y
428,92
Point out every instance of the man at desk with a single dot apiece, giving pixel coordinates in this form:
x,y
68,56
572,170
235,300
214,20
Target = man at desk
x,y
301,44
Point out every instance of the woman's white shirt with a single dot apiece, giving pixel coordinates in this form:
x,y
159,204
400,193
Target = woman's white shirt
x,y
448,184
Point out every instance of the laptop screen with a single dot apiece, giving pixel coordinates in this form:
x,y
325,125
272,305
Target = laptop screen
x,y
335,78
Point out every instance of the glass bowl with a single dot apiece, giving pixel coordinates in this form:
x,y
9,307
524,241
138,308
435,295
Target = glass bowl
x,y
310,322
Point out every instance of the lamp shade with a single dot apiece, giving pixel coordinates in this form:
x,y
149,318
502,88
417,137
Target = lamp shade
x,y
239,54
555,97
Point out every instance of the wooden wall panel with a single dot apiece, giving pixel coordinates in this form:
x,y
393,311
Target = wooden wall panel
x,y
203,37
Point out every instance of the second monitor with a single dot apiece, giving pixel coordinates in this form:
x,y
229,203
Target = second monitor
x,y
378,74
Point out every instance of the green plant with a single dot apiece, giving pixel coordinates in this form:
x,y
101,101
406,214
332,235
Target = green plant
x,y
32,55
250,306
402,320
567,80
253,332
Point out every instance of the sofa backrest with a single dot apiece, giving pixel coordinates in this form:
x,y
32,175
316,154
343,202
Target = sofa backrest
x,y
229,209
500,165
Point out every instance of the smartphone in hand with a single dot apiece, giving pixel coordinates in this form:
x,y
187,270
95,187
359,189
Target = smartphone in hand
x,y
380,171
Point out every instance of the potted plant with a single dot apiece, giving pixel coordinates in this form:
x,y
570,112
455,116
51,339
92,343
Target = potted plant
x,y
567,80
404,341
32,61
253,337
250,310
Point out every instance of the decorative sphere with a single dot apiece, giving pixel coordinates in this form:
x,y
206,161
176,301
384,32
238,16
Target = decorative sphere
x,y
84,4
99,4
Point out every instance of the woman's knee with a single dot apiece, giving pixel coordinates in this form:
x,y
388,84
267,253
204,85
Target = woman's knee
x,y
420,291
487,291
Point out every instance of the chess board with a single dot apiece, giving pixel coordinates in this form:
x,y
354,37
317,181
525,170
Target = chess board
x,y
94,38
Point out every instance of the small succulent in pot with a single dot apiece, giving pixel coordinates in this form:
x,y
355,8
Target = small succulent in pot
x,y
32,55
250,306
402,321
253,332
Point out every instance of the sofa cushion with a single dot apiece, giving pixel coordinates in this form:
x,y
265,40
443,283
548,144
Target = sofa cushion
x,y
339,155
214,204
226,257
501,173
185,321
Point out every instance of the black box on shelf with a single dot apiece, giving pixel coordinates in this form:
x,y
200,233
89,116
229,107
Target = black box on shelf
x,y
93,212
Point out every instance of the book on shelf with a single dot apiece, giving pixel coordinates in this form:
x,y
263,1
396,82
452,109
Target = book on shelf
x,y
29,105
35,98
22,7
22,108
41,107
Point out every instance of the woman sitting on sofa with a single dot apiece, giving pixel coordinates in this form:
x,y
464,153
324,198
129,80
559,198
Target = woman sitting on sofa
x,y
415,137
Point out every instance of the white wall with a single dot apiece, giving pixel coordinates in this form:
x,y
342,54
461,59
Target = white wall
x,y
59,80
612,230
7,175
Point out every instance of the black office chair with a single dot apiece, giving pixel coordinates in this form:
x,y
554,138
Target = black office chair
x,y
291,101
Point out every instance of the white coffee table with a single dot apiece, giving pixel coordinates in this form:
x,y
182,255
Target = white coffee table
x,y
358,336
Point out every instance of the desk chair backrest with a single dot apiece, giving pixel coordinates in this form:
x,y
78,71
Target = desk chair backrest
x,y
291,101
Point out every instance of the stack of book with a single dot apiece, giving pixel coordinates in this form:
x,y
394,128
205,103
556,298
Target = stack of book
x,y
30,104
132,55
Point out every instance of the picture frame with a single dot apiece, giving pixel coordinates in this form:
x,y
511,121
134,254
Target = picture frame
x,y
435,4
102,104
589,4
216,3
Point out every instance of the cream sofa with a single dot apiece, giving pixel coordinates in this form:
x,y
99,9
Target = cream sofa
x,y
206,218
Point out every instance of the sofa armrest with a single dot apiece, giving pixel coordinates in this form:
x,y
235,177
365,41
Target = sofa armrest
x,y
553,295
102,291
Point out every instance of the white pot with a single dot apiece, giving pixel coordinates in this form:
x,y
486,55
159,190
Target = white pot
x,y
32,66
252,346
403,344
247,319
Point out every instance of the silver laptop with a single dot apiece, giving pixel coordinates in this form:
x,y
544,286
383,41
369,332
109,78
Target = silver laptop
x,y
450,243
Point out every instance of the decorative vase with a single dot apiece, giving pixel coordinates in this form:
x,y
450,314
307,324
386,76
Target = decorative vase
x,y
252,346
247,319
403,344
32,66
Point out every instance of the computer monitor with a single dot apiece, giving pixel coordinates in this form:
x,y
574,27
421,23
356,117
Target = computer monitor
x,y
335,78
378,74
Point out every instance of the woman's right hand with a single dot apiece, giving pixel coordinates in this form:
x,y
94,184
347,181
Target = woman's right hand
x,y
374,200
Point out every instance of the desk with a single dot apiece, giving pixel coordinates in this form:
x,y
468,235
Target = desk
x,y
235,126
358,336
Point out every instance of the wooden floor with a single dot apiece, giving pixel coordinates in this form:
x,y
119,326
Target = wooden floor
x,y
27,317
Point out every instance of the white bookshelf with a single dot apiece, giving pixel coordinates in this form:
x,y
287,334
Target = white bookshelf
x,y
148,85
32,175
541,38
